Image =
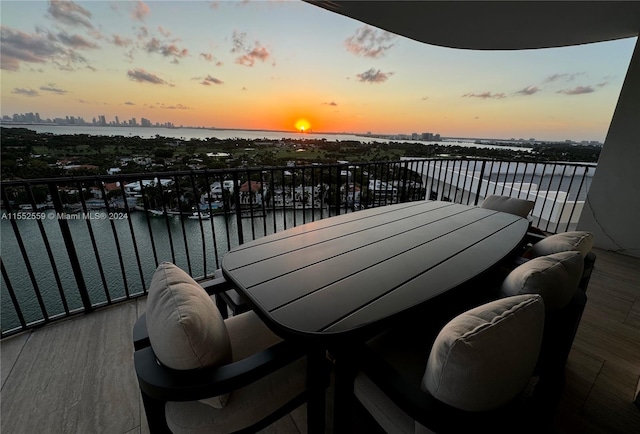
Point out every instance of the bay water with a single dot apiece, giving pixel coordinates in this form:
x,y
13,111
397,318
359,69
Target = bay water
x,y
197,246
205,133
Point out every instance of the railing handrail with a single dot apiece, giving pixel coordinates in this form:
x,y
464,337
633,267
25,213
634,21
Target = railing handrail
x,y
173,173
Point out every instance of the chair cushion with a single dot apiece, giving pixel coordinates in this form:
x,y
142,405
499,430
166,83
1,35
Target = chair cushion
x,y
580,241
511,205
249,335
249,404
185,327
484,357
555,277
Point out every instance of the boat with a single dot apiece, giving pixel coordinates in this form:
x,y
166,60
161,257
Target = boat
x,y
213,207
176,213
199,216
255,215
156,212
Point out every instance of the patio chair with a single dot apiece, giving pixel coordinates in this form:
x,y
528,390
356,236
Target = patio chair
x,y
555,277
511,205
477,371
580,241
198,372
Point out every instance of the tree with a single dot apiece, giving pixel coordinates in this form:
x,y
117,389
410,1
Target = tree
x,y
163,153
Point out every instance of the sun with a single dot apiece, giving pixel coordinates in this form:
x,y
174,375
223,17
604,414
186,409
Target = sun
x,y
303,125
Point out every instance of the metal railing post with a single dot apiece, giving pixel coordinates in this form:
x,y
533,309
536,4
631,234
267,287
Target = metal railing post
x,y
403,196
12,294
480,178
584,175
236,196
71,249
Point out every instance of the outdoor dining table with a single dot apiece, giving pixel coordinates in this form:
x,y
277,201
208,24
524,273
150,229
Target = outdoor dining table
x,y
328,282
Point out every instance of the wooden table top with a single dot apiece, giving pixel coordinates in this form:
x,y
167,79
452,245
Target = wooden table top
x,y
338,275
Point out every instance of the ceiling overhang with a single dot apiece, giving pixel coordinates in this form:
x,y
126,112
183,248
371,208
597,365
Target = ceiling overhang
x,y
497,25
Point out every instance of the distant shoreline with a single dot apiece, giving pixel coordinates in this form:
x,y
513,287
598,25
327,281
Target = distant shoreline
x,y
50,124
385,137
187,133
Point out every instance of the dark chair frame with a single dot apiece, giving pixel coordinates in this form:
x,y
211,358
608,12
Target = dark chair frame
x,y
560,329
225,294
560,325
559,333
159,384
437,415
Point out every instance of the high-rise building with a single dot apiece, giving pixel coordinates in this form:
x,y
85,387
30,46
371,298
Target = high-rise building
x,y
430,137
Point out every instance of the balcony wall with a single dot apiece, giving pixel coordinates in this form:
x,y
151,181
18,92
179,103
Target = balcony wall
x,y
613,206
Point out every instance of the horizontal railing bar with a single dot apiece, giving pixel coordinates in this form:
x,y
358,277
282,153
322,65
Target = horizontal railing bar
x,y
168,174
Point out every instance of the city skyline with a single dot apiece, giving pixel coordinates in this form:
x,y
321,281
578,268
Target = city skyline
x,y
290,66
34,118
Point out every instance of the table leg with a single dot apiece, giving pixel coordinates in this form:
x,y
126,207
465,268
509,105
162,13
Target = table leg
x,y
345,373
316,385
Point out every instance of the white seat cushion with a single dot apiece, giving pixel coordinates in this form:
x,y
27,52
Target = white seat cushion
x,y
580,241
484,357
511,205
249,335
185,327
555,277
247,406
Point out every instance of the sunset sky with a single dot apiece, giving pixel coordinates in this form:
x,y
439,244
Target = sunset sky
x,y
268,64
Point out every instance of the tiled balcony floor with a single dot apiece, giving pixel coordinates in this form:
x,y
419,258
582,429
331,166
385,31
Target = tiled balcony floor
x,y
77,376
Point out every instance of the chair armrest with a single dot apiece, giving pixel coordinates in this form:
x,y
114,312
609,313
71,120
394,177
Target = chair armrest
x,y
533,237
166,384
589,263
140,333
215,286
422,406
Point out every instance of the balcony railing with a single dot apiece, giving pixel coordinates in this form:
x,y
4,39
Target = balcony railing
x,y
71,245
